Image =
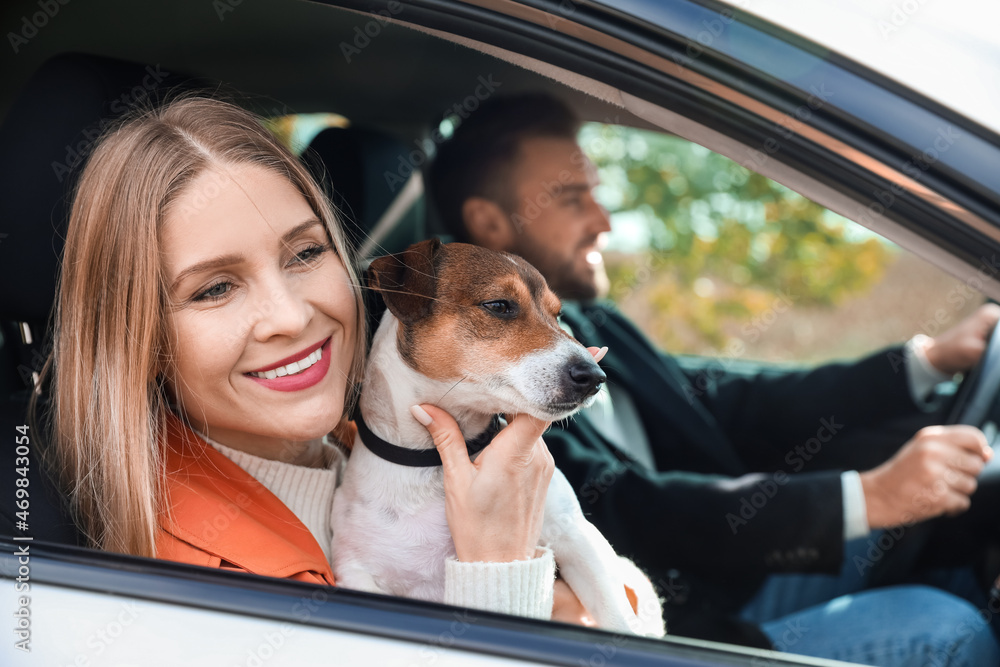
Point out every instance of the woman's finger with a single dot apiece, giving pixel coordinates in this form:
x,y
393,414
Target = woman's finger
x,y
567,608
520,435
448,438
598,352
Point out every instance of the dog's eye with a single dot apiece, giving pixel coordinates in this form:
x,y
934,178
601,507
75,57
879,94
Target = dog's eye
x,y
501,308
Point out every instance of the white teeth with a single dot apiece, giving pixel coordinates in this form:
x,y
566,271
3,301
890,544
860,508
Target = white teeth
x,y
292,368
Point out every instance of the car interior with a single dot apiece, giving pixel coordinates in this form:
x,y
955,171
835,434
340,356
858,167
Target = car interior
x,y
371,168
393,84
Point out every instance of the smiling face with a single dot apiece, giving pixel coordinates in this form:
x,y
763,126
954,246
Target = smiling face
x,y
261,312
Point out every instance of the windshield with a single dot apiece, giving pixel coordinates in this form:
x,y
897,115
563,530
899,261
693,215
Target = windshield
x,y
949,51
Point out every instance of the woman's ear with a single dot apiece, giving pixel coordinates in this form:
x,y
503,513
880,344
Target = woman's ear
x,y
487,224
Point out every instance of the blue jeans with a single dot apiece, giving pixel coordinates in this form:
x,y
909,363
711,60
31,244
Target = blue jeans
x,y
832,616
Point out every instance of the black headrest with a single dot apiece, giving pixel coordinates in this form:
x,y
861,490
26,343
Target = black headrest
x,y
44,141
365,170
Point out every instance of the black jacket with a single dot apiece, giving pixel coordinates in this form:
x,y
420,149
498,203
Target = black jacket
x,y
747,478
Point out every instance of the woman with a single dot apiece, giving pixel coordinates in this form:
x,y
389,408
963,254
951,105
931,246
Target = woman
x,y
209,334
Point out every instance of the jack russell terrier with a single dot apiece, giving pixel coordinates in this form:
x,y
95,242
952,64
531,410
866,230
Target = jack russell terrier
x,y
474,332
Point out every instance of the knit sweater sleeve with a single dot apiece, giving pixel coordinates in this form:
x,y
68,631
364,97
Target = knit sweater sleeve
x,y
522,588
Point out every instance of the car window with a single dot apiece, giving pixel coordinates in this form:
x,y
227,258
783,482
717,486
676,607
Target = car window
x,y
710,258
707,257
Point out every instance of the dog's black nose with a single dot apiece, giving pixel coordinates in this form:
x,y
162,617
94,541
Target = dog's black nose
x,y
586,377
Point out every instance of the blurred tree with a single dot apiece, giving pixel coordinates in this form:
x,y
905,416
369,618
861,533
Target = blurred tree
x,y
710,243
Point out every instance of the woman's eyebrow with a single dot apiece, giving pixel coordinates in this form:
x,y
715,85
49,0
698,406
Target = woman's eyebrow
x,y
299,228
235,258
207,265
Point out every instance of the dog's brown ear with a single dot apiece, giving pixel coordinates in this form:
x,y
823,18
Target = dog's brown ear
x,y
407,281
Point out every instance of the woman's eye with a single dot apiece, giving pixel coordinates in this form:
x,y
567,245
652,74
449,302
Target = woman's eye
x,y
216,291
501,308
310,254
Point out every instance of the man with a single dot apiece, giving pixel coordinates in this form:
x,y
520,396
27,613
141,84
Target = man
x,y
694,473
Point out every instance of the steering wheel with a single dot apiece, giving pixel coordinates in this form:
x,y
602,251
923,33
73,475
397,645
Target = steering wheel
x,y
975,403
978,392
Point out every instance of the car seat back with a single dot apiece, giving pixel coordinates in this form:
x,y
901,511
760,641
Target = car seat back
x,y
375,186
44,141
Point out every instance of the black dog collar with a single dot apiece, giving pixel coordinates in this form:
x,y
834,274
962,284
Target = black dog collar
x,y
419,458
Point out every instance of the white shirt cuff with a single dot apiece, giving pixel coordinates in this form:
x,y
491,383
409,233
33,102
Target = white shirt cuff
x,y
855,508
922,375
521,588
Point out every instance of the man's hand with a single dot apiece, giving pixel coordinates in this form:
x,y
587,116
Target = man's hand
x,y
958,349
933,474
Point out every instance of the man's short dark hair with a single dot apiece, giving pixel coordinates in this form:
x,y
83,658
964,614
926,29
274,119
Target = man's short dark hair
x,y
478,159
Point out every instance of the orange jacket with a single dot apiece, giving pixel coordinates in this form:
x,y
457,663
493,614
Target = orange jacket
x,y
215,514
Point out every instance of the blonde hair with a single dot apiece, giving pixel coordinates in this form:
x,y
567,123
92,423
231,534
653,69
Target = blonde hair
x,y
111,344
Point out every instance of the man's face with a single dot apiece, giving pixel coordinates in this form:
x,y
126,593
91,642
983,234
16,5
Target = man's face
x,y
556,221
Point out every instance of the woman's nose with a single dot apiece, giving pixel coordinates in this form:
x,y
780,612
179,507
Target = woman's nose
x,y
281,311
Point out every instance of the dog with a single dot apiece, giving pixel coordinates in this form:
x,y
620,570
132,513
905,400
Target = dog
x,y
474,332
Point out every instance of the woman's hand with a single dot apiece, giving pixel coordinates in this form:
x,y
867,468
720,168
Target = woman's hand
x,y
496,504
567,608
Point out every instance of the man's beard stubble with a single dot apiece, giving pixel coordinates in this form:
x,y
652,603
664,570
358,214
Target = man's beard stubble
x,y
563,277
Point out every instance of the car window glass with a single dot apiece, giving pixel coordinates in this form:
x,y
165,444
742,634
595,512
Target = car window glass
x,y
710,258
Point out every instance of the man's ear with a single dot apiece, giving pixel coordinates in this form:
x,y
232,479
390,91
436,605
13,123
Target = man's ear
x,y
487,224
407,281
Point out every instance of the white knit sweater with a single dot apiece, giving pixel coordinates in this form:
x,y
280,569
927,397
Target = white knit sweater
x,y
523,588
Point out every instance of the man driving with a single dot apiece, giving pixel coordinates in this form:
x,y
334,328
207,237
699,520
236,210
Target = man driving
x,y
684,465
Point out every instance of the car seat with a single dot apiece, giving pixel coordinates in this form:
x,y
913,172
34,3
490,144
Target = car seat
x,y
44,141
374,185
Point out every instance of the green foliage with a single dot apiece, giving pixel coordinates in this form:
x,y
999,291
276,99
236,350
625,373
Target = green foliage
x,y
722,244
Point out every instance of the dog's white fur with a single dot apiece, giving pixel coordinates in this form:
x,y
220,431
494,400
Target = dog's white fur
x,y
390,531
